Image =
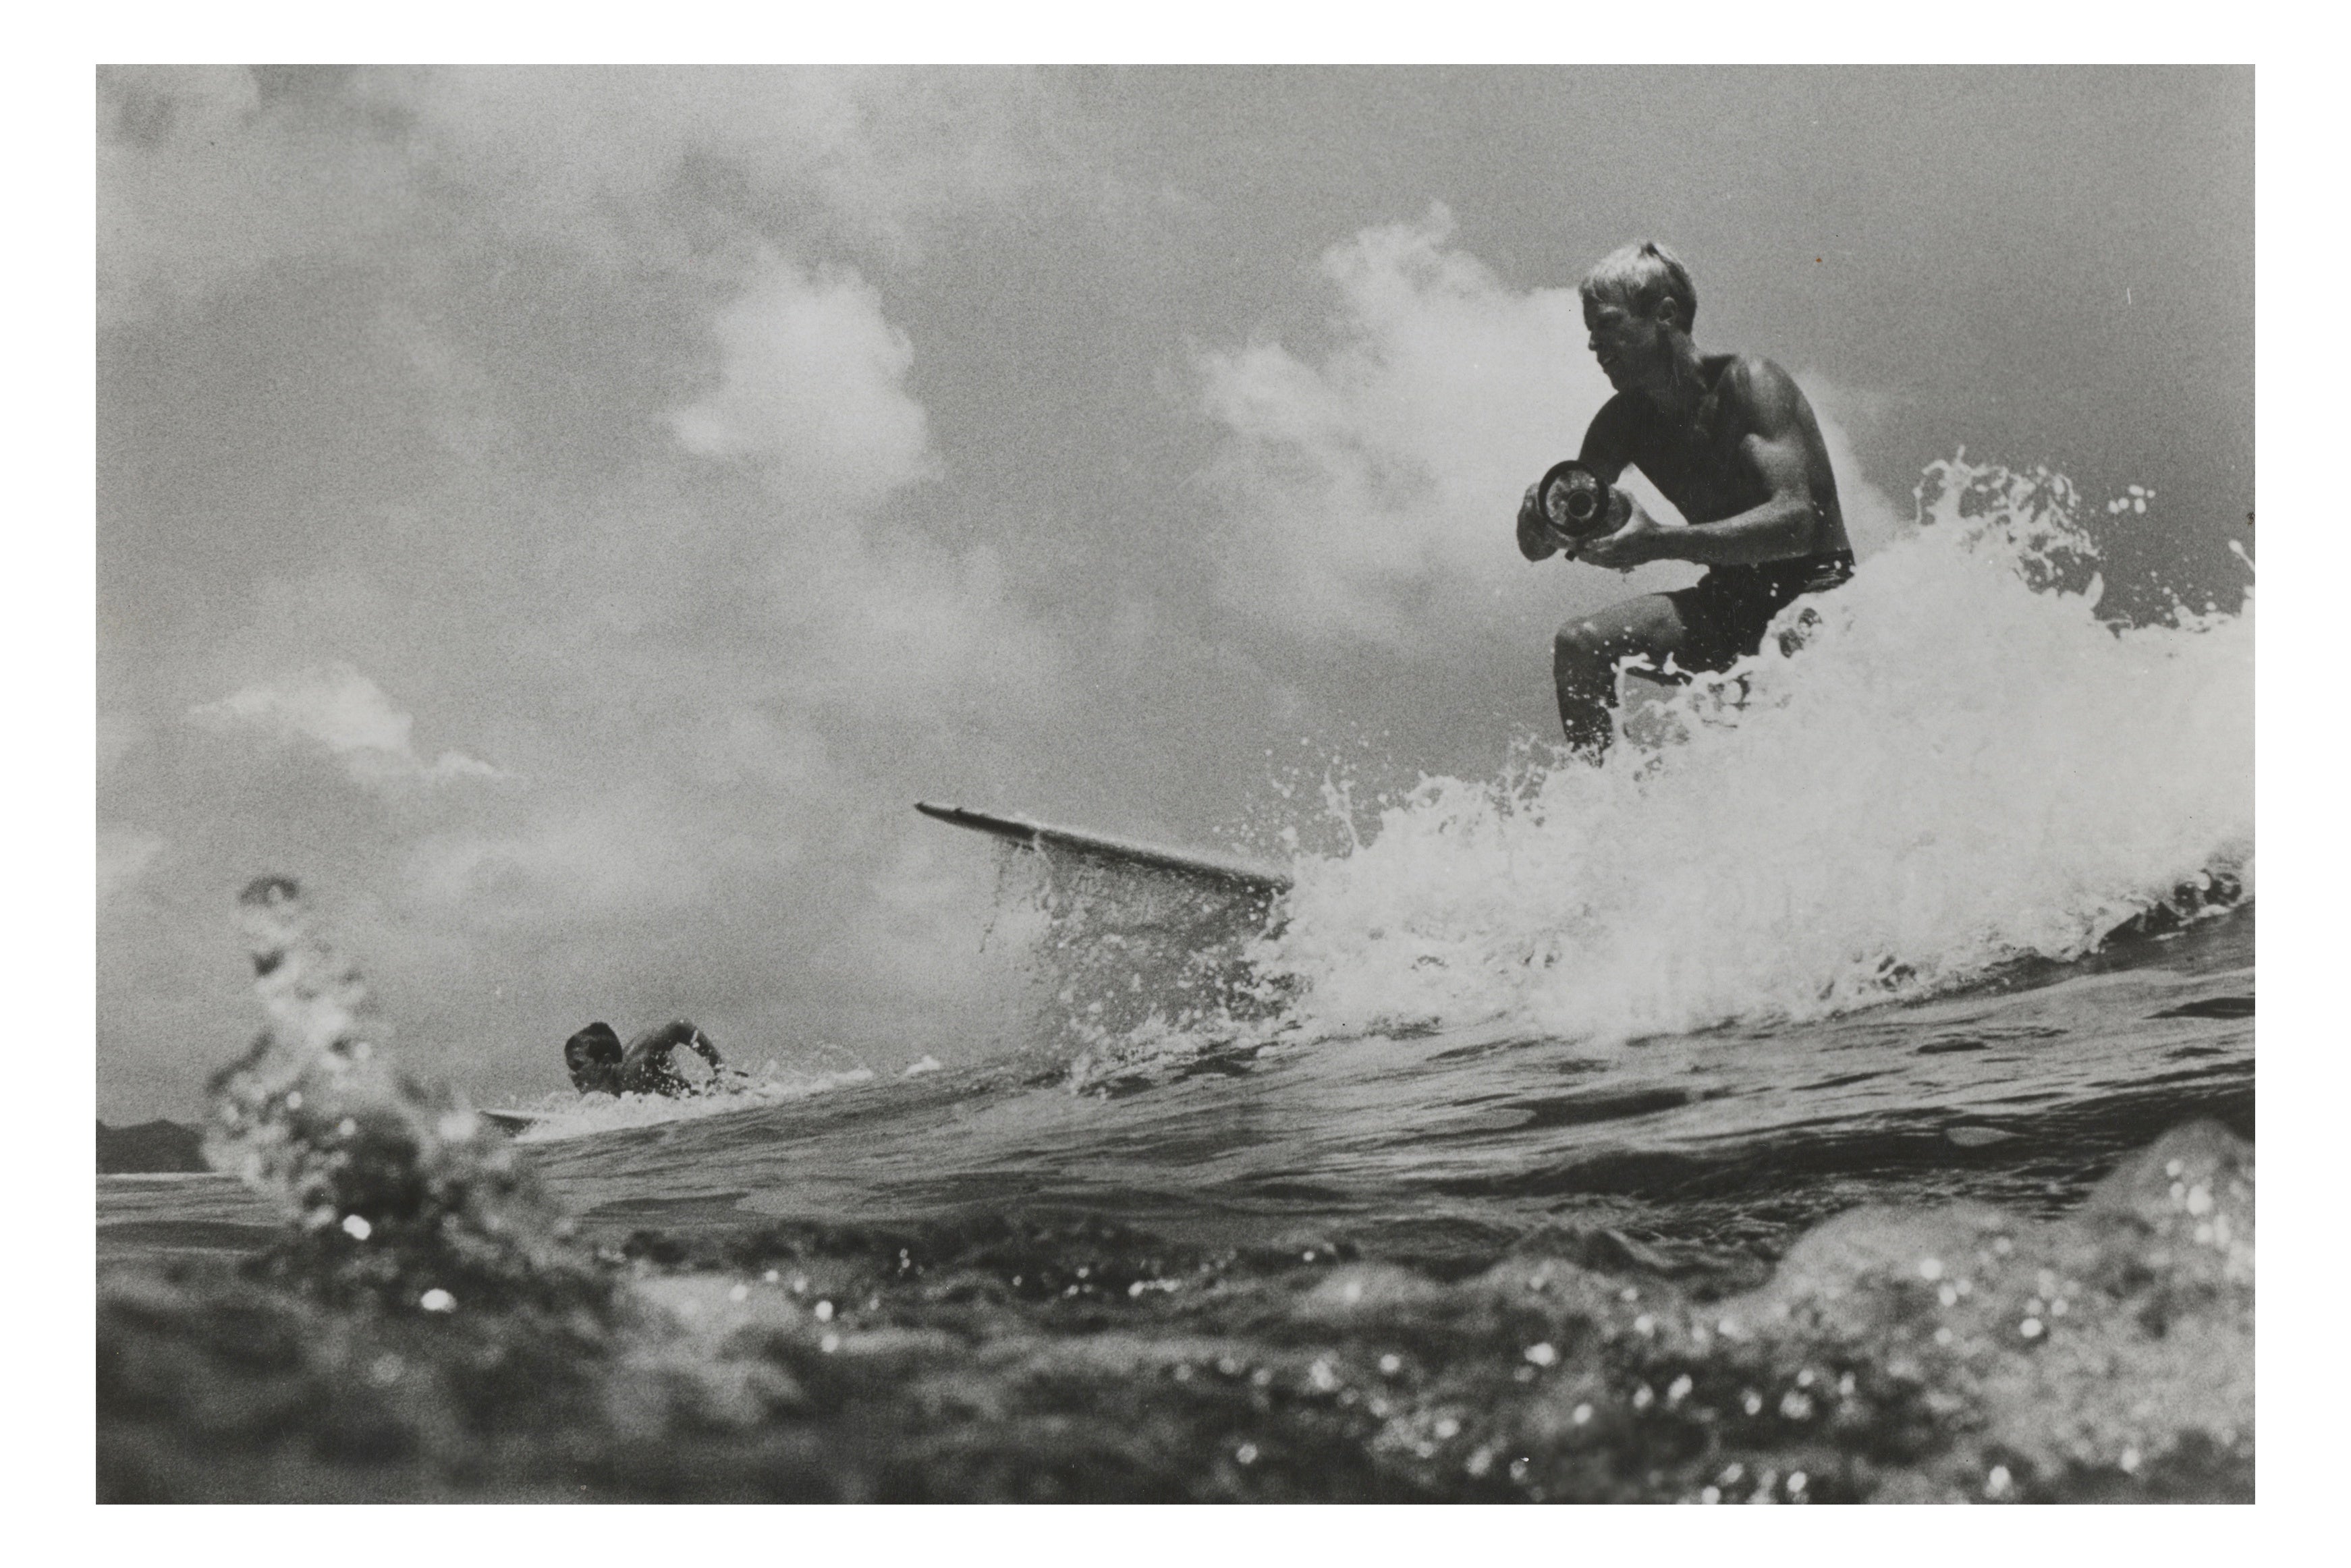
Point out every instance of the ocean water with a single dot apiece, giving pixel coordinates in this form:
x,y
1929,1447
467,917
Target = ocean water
x,y
1845,1092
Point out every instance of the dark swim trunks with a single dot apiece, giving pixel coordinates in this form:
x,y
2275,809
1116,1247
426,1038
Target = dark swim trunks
x,y
1726,612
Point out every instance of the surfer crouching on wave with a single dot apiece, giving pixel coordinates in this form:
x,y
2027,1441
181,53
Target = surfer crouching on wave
x,y
1729,440
597,1063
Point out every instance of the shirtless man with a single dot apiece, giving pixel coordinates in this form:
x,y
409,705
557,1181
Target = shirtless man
x,y
1727,438
598,1062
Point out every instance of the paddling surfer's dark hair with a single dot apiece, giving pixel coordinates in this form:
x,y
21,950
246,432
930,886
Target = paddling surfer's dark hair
x,y
1643,276
597,1042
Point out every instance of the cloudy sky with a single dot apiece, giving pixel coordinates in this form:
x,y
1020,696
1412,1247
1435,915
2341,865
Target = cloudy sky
x,y
566,517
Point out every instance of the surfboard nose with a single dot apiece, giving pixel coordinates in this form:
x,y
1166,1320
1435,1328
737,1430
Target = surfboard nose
x,y
1262,880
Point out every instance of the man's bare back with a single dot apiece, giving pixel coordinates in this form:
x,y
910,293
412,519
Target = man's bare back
x,y
1732,442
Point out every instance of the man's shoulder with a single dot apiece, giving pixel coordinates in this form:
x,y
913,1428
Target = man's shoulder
x,y
1748,372
1758,384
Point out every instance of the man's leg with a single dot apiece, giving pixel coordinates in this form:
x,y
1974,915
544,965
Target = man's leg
x,y
1584,657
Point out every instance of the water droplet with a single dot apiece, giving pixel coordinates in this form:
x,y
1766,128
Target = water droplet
x,y
1930,1268
357,1228
437,1300
1246,1453
1541,1355
824,1312
1582,1414
2029,1328
1391,1364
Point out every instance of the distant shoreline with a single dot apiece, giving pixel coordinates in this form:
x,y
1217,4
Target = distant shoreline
x,y
149,1148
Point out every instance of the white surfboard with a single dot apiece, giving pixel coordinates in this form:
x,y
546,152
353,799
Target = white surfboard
x,y
1261,881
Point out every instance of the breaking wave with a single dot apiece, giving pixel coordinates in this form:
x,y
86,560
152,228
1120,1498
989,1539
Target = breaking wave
x,y
1952,763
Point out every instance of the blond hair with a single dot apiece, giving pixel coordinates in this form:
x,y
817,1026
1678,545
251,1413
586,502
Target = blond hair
x,y
1643,276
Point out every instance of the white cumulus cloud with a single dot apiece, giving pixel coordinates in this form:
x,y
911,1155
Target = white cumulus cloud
x,y
1356,486
336,709
810,387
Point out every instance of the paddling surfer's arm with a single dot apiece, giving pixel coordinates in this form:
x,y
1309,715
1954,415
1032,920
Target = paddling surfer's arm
x,y
1776,457
646,1068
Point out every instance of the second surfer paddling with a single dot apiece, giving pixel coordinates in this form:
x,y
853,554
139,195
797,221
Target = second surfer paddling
x,y
598,1062
1732,442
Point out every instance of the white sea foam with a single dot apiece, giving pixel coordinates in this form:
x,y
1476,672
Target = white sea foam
x,y
1963,763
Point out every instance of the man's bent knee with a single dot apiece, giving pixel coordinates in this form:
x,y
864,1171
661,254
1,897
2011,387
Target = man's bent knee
x,y
1580,647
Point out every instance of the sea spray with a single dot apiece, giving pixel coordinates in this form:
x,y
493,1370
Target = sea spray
x,y
1949,764
391,1187
1133,967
